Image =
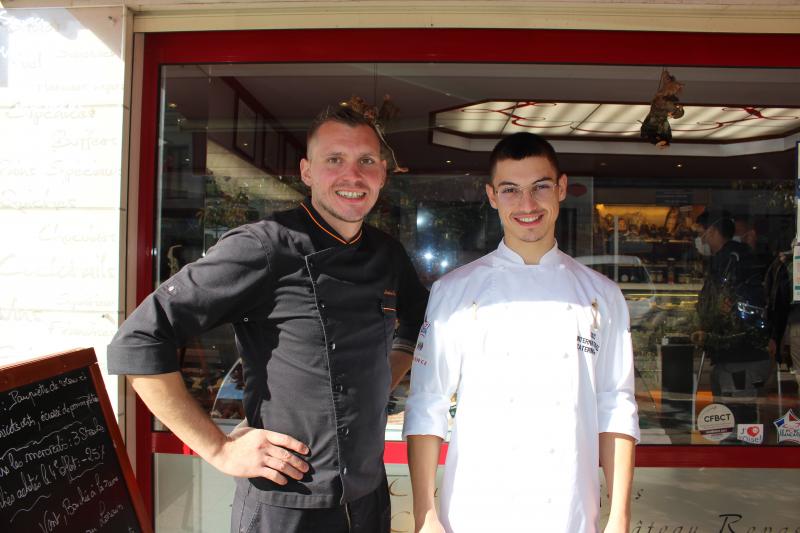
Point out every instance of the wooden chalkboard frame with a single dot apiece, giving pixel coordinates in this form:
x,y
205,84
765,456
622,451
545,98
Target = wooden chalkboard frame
x,y
26,372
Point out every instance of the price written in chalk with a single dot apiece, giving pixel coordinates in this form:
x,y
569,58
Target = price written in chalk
x,y
58,468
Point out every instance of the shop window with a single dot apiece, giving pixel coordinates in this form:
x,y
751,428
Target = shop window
x,y
231,138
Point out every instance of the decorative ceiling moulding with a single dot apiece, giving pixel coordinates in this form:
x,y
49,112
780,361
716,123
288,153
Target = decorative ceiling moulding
x,y
736,16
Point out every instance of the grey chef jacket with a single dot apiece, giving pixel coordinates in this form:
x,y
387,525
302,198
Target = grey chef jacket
x,y
314,318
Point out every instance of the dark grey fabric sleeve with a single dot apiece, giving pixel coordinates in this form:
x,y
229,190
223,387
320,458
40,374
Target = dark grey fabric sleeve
x,y
232,278
412,301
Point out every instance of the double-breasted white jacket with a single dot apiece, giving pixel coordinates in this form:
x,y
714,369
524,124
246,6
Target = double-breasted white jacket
x,y
539,358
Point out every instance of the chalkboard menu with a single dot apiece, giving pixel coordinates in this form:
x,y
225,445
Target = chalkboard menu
x,y
63,467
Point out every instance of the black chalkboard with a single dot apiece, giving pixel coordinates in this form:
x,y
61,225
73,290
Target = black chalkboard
x,y
63,466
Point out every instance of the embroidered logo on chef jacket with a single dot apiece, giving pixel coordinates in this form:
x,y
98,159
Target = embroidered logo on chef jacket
x,y
588,345
424,329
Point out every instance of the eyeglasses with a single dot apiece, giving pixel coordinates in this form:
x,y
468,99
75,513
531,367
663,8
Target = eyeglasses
x,y
512,194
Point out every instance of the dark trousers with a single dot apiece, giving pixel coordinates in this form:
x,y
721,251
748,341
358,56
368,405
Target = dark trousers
x,y
369,514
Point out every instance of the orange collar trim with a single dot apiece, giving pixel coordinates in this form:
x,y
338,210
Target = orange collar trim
x,y
320,226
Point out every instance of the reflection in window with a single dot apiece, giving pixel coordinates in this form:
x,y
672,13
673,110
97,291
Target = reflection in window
x,y
232,137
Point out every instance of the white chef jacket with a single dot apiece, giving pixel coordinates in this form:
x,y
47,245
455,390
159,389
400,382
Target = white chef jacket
x,y
540,358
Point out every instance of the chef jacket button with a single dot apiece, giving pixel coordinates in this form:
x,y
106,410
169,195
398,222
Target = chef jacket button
x,y
338,387
345,431
322,305
569,306
246,319
511,400
333,346
566,354
549,500
551,451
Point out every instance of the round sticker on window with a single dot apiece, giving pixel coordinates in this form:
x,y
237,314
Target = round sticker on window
x,y
715,422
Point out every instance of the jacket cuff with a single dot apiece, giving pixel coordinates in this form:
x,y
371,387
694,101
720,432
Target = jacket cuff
x,y
142,359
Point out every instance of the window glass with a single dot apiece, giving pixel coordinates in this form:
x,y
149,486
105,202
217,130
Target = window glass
x,y
707,325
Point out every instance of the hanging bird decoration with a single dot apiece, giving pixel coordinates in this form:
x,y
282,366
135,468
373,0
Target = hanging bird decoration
x,y
379,116
664,106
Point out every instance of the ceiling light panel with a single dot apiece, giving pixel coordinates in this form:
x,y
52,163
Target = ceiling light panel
x,y
609,120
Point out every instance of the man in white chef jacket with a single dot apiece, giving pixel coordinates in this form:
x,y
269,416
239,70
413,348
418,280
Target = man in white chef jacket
x,y
537,348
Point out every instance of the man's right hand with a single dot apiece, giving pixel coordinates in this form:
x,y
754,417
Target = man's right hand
x,y
246,452
250,452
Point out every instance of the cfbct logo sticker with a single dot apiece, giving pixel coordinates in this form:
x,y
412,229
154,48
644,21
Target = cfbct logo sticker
x,y
715,422
752,433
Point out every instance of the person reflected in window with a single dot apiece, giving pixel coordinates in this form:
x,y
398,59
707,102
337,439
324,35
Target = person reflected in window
x,y
778,287
731,311
538,349
325,310
753,233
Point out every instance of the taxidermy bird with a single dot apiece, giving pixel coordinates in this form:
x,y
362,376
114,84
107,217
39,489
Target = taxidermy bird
x,y
664,106
379,117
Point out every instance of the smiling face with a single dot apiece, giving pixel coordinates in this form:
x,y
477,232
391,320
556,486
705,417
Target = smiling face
x,y
345,172
529,216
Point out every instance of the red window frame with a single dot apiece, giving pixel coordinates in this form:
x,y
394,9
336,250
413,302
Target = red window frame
x,y
439,45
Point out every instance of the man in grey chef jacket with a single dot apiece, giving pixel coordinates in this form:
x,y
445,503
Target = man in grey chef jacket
x,y
324,308
537,349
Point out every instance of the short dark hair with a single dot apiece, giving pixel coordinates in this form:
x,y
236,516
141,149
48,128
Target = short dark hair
x,y
724,223
519,146
343,115
725,226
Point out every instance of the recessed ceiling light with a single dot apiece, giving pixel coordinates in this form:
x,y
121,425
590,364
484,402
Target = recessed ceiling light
x,y
755,167
603,163
679,165
172,105
449,162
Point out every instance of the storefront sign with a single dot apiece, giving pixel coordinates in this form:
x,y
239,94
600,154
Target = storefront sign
x,y
62,105
62,461
674,197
